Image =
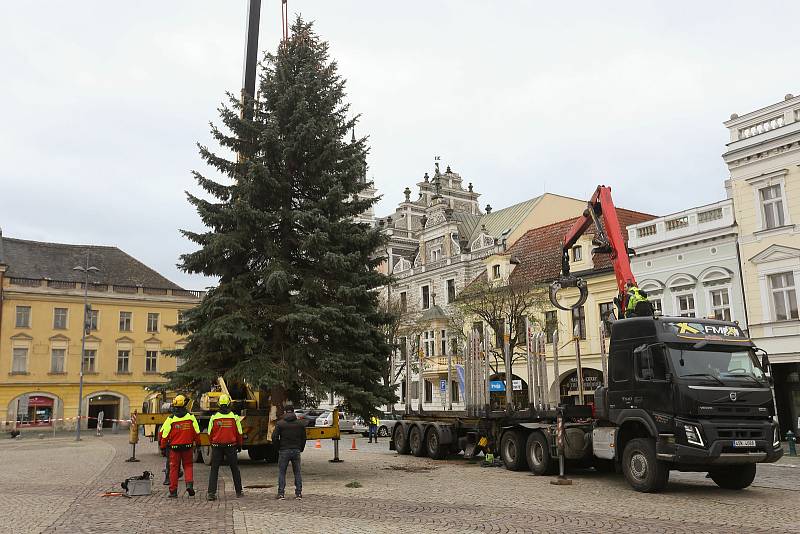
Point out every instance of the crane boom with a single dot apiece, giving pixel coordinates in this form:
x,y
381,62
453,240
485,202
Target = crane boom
x,y
608,239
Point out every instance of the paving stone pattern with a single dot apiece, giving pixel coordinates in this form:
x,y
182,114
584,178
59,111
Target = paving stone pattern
x,y
55,486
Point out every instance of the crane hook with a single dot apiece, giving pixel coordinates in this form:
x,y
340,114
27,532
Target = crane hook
x,y
569,281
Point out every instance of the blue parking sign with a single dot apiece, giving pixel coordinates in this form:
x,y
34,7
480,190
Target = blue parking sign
x,y
442,385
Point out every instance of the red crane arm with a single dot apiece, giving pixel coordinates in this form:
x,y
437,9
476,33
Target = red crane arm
x,y
609,239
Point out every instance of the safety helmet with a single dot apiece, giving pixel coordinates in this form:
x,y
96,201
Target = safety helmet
x,y
179,401
224,400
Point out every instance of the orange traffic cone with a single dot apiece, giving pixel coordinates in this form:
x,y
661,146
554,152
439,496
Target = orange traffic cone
x,y
318,444
354,448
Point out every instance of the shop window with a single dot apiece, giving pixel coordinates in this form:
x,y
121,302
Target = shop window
x,y
19,362
35,410
23,317
125,320
123,361
151,361
57,357
60,318
784,297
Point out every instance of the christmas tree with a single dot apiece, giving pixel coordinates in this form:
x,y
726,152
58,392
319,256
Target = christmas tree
x,y
296,309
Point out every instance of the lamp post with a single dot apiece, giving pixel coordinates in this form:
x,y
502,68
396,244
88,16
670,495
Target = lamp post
x,y
86,270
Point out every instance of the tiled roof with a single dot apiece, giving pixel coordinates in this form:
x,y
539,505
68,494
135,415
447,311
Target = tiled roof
x,y
539,250
35,259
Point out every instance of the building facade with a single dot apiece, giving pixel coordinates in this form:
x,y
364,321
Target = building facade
x,y
688,263
439,243
41,326
763,157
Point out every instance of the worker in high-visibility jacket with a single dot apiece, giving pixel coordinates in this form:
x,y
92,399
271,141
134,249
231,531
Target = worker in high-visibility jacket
x,y
636,298
180,433
225,434
373,428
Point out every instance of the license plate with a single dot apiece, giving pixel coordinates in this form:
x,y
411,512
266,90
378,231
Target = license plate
x,y
744,443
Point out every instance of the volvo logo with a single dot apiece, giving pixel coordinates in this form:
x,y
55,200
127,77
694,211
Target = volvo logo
x,y
733,396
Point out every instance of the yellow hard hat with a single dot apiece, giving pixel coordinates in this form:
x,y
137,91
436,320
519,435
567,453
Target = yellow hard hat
x,y
224,400
179,400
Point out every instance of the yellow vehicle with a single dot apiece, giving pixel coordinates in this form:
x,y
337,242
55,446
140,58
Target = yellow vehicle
x,y
259,418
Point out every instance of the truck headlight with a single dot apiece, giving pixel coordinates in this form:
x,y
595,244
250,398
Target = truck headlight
x,y
776,438
693,436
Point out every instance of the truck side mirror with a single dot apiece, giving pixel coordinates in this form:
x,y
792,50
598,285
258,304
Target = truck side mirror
x,y
765,362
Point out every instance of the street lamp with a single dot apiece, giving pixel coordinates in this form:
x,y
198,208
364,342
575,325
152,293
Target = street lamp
x,y
86,270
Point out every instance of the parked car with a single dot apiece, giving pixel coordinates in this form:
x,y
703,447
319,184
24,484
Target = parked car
x,y
346,421
309,414
385,424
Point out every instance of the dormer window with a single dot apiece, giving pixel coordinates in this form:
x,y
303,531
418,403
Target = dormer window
x,y
577,253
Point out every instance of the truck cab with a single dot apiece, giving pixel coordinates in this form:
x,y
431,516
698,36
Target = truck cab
x,y
686,394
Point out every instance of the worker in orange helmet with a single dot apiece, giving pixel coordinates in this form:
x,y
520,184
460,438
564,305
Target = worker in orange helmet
x,y
181,433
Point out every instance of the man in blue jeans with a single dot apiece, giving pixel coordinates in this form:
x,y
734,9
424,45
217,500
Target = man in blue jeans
x,y
290,438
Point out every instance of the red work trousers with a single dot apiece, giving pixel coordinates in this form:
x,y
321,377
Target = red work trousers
x,y
176,457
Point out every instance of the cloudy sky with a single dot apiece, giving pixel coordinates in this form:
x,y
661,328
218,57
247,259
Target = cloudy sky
x,y
103,102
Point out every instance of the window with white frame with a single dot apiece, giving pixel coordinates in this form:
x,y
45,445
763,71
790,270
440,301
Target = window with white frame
x,y
429,343
59,318
151,361
771,206
152,322
125,319
92,316
19,362
23,317
577,253
451,291
495,272
89,358
436,254
57,357
657,309
684,305
720,304
443,343
784,297
426,297
123,361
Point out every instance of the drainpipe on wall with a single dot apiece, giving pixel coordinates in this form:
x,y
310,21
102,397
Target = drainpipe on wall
x,y
744,291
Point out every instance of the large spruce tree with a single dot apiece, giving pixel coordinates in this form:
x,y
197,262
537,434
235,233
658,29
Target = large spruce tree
x,y
296,310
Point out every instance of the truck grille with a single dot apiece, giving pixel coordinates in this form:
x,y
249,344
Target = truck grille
x,y
740,433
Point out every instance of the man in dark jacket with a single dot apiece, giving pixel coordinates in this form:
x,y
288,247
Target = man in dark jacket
x,y
290,438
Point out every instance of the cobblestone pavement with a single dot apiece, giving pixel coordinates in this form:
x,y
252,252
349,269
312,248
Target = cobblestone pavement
x,y
56,485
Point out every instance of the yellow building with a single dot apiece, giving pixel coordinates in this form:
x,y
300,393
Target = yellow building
x,y
763,158
41,315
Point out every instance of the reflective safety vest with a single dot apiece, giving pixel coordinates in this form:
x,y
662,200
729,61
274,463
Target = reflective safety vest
x,y
373,421
634,298
225,429
180,432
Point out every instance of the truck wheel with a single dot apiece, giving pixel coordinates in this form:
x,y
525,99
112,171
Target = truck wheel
x,y
734,477
206,454
257,453
417,442
433,442
643,471
537,451
512,450
400,440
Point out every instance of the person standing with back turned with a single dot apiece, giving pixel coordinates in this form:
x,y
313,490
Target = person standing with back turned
x,y
225,434
180,432
290,438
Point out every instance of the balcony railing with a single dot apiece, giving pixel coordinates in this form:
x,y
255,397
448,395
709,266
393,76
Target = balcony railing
x,y
675,224
761,127
710,215
646,231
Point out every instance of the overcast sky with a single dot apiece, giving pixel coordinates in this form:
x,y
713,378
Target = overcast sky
x,y
103,102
